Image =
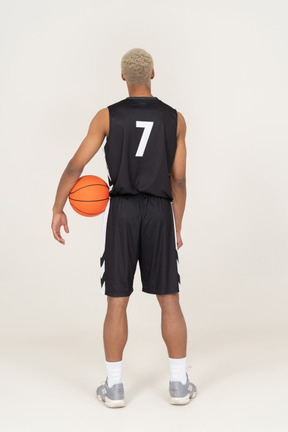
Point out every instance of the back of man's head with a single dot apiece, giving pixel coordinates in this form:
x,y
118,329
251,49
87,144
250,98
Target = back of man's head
x,y
136,66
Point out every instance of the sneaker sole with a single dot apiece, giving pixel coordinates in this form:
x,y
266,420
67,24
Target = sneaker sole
x,y
182,400
110,403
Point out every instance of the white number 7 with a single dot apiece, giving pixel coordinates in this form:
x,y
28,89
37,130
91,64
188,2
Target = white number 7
x,y
147,125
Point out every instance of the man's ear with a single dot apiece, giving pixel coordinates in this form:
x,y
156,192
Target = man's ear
x,y
122,76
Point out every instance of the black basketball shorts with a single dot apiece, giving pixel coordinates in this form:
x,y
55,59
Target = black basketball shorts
x,y
139,227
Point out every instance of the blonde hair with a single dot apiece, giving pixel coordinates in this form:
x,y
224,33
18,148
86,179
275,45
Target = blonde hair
x,y
136,66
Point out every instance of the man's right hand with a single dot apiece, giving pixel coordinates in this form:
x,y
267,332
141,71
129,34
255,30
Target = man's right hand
x,y
59,219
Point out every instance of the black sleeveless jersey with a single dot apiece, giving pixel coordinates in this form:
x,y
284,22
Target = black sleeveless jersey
x,y
140,147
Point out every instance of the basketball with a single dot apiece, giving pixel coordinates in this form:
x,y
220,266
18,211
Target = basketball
x,y
89,196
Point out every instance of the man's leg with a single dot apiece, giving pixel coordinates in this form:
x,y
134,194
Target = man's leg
x,y
115,334
115,330
173,325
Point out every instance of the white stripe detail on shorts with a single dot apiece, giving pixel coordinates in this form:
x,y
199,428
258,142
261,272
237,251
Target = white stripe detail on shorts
x,y
104,229
175,236
110,184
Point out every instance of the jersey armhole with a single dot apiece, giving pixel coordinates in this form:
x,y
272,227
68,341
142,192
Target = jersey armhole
x,y
177,120
107,136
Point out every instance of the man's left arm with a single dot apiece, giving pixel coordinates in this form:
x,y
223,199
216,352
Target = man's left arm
x,y
97,131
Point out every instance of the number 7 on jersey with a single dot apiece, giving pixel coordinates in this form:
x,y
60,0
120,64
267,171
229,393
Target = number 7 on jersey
x,y
147,125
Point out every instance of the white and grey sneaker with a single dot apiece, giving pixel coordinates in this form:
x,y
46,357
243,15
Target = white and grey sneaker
x,y
181,394
112,397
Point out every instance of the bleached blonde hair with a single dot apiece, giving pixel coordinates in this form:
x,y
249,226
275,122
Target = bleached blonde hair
x,y
136,66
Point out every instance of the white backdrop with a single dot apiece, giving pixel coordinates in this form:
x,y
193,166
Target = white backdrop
x,y
224,66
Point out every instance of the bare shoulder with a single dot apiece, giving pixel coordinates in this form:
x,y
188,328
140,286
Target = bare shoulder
x,y
101,121
181,124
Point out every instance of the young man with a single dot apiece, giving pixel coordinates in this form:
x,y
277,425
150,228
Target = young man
x,y
146,161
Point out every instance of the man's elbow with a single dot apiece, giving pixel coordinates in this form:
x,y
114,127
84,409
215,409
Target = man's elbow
x,y
178,181
73,169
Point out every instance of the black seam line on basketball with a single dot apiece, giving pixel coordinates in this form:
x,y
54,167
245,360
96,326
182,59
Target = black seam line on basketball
x,y
104,199
94,184
95,214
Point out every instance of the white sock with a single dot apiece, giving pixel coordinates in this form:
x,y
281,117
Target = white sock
x,y
114,370
178,369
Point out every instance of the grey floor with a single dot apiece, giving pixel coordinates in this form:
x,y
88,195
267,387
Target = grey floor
x,y
48,382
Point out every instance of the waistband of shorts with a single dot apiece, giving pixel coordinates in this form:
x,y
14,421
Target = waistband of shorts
x,y
139,195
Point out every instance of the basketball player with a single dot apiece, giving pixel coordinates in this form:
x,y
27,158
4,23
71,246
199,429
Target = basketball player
x,y
145,154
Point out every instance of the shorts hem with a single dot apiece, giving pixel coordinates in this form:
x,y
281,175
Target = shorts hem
x,y
118,295
159,293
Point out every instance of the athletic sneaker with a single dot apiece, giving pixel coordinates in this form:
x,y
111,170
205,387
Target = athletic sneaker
x,y
112,397
180,394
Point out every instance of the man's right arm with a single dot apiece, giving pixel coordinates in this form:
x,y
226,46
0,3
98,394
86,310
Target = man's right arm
x,y
178,177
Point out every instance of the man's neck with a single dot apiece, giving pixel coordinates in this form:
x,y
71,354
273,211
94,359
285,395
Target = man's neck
x,y
141,91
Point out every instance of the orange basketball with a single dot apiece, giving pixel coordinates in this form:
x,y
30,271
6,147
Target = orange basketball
x,y
89,196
